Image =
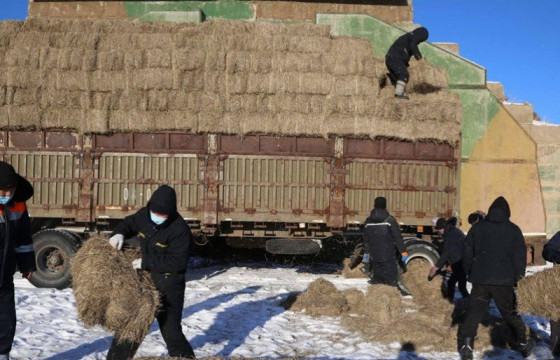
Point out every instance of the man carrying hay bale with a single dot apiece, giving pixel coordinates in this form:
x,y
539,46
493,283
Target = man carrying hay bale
x,y
399,55
453,241
16,248
494,257
165,240
383,242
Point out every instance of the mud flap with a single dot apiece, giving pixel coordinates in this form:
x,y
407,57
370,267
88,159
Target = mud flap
x,y
293,246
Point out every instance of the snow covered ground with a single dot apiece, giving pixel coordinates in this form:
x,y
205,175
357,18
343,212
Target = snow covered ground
x,y
229,311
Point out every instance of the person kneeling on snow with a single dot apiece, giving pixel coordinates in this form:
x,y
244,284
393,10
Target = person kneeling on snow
x,y
166,242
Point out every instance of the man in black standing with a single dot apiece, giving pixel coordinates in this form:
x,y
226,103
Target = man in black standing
x,y
453,241
384,244
16,248
399,55
494,257
166,240
551,252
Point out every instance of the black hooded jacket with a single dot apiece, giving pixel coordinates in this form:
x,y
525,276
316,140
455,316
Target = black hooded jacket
x,y
454,240
495,252
166,247
551,250
382,236
406,46
16,243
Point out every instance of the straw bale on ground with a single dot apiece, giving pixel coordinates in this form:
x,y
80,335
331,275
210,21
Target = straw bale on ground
x,y
110,293
381,315
134,73
539,294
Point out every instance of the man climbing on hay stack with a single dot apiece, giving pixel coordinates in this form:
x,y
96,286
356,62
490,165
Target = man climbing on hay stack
x,y
166,240
384,244
399,55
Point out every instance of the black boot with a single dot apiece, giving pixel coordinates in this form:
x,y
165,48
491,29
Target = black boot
x,y
526,348
466,350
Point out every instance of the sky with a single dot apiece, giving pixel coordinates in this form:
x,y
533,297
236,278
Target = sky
x,y
517,42
229,311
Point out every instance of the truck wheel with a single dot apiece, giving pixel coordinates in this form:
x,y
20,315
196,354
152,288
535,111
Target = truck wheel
x,y
53,251
420,251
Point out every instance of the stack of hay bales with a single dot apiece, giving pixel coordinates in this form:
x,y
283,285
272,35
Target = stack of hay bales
x,y
110,293
229,77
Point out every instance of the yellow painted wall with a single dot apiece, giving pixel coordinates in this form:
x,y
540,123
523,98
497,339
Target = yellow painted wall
x,y
504,163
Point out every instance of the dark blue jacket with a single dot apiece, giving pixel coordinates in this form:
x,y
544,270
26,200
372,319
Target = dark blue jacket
x,y
16,243
454,240
406,46
382,237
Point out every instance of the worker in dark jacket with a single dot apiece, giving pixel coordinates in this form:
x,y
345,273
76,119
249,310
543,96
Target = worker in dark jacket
x,y
166,240
399,55
551,252
453,241
16,248
384,244
494,257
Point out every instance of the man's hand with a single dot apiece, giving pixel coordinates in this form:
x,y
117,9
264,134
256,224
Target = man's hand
x,y
27,275
117,241
137,264
433,272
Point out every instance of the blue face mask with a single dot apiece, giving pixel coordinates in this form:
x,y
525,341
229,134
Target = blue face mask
x,y
5,199
158,220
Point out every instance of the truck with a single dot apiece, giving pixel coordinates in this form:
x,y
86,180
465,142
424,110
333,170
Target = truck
x,y
283,194
275,136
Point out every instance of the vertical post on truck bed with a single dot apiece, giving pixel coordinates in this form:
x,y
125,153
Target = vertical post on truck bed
x,y
338,184
86,175
210,176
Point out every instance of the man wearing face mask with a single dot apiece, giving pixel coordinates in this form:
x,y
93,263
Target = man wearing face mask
x,y
165,240
16,248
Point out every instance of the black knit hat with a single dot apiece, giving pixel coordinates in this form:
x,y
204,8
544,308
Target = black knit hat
x,y
8,176
440,223
380,203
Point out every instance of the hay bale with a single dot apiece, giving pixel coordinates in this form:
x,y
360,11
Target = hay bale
x,y
321,298
539,294
110,293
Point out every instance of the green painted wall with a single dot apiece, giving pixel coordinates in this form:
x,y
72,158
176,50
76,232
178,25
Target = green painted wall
x,y
479,108
223,9
381,34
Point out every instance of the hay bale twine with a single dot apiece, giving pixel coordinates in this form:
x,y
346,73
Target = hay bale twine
x,y
110,293
539,294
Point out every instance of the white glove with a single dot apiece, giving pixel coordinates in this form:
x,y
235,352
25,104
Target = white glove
x,y
117,241
137,264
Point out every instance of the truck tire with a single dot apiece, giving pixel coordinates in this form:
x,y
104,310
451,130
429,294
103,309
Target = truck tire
x,y
53,251
421,250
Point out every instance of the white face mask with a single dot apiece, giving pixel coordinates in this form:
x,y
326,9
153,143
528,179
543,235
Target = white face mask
x,y
158,220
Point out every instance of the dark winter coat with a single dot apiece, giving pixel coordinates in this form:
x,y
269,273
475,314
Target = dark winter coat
x,y
406,46
16,244
382,237
166,247
453,242
495,252
551,250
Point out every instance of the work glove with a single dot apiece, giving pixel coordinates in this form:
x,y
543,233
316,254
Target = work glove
x,y
404,257
365,259
117,241
433,272
137,264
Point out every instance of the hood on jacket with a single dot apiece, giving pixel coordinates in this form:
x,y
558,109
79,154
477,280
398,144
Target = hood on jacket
x,y
499,210
24,189
164,201
10,179
377,216
421,34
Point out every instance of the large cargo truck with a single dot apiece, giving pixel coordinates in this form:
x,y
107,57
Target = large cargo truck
x,y
282,194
